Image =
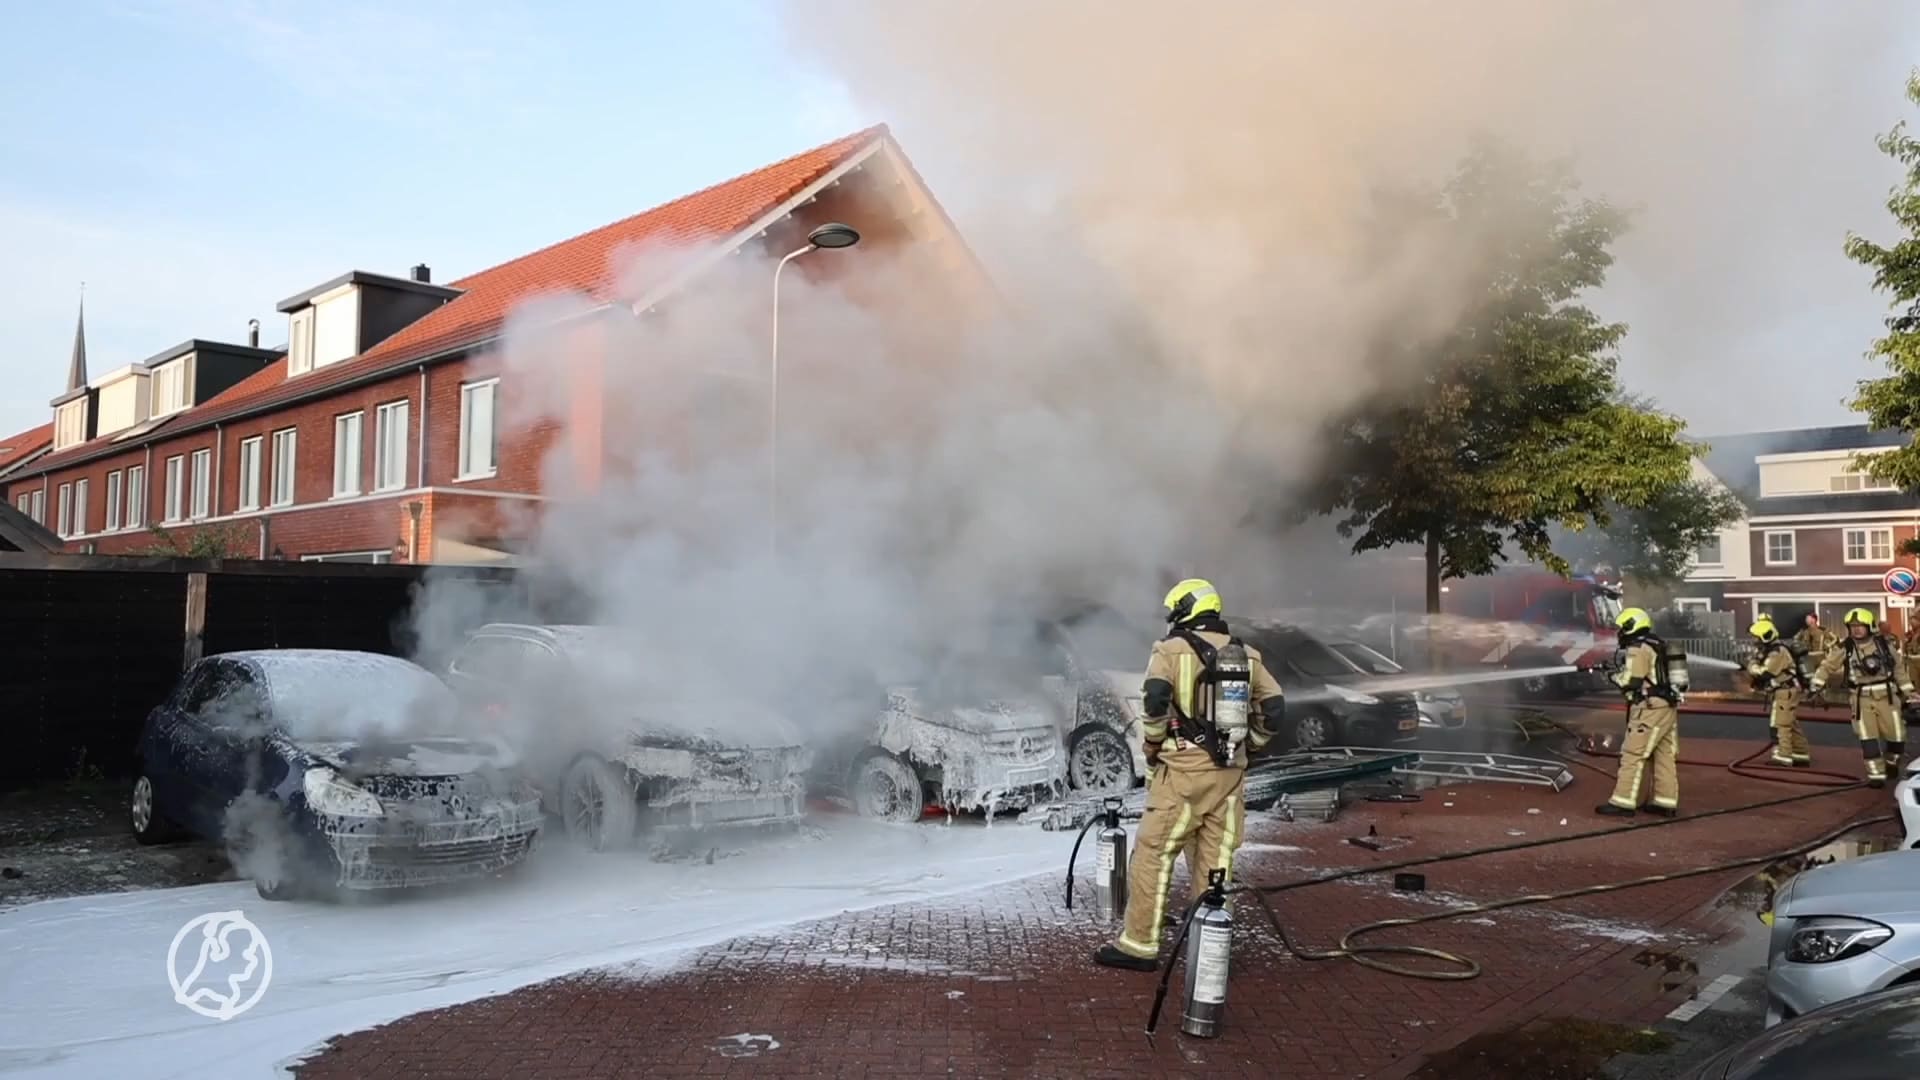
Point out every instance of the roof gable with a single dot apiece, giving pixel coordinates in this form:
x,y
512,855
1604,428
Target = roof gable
x,y
1733,460
583,263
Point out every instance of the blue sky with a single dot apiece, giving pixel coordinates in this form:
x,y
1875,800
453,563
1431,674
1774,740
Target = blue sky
x,y
196,161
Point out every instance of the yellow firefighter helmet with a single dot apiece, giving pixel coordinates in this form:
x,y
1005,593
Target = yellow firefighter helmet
x,y
1864,617
1634,621
1764,629
1190,599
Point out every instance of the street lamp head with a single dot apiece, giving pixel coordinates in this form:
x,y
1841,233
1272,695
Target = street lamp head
x,y
833,235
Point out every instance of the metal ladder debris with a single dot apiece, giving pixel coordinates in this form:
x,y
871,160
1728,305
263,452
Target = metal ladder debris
x,y
1268,781
1468,765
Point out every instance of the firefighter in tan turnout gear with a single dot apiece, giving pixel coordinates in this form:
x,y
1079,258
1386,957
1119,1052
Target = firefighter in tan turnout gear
x,y
1209,702
1646,679
1877,679
1776,674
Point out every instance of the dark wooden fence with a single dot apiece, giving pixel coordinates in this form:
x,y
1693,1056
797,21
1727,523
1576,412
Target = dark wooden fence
x,y
93,643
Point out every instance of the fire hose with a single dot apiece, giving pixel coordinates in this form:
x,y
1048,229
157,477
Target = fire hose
x,y
1748,767
1467,968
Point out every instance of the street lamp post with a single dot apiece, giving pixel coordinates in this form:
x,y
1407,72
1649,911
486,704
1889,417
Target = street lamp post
x,y
831,236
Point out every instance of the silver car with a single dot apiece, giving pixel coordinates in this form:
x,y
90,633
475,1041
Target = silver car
x,y
1441,708
1843,930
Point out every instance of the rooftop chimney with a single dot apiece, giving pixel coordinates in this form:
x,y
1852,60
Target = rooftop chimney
x,y
422,274
253,333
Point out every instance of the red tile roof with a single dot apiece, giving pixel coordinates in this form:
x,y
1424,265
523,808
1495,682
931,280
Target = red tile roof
x,y
584,263
15,447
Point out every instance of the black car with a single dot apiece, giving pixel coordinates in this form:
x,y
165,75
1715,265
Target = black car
x,y
1322,708
1871,1037
324,770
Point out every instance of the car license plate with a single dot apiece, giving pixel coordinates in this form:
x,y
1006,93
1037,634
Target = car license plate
x,y
1017,778
1409,723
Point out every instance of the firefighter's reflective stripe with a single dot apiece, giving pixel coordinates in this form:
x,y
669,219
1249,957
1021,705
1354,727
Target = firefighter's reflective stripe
x,y
1185,686
1163,878
1229,839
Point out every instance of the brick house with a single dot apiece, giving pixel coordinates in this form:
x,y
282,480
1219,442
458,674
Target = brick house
x,y
376,433
1818,534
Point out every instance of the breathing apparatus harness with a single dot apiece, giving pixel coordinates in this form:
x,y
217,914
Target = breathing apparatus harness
x,y
1668,681
1794,678
1876,663
1223,691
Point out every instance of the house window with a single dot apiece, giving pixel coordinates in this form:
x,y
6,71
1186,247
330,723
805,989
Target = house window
x,y
136,496
175,489
202,483
64,525
1856,480
24,504
1869,545
40,507
1780,548
80,508
390,446
479,430
1708,553
170,387
351,556
250,473
70,424
346,454
300,342
113,500
283,451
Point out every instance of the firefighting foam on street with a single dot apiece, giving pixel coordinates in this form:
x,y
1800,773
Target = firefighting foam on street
x,y
1309,542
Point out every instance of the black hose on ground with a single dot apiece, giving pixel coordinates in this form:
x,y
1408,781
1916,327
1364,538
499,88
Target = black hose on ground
x,y
1075,857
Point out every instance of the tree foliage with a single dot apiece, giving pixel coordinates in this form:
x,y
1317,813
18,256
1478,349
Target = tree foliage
x,y
1518,425
1894,400
224,541
1654,543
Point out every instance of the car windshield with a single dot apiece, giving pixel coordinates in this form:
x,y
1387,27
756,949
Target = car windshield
x,y
1312,658
1366,659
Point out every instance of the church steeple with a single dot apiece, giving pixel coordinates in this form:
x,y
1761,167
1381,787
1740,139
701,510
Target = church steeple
x,y
77,370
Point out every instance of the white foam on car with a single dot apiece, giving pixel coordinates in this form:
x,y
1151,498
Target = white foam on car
x,y
83,981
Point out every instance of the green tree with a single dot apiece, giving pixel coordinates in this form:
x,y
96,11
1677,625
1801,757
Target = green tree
x,y
1654,543
1518,429
224,541
1893,402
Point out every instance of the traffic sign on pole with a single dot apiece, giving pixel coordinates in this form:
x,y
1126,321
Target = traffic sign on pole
x,y
1900,581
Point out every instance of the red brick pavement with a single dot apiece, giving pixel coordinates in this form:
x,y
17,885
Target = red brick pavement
x,y
998,983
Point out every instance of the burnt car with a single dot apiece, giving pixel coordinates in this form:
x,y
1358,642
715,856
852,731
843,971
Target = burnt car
x,y
624,751
978,730
1324,706
325,770
1441,708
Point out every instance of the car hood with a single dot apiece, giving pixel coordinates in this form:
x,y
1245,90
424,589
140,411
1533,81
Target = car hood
x,y
1873,886
978,718
715,726
447,755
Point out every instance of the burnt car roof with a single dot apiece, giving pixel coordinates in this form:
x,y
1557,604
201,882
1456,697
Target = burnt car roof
x,y
343,691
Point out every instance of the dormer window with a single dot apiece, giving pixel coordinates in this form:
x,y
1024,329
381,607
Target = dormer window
x,y
70,423
170,382
342,318
300,343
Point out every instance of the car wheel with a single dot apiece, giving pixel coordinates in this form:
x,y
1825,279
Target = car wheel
x,y
1313,728
597,804
885,788
149,825
1098,759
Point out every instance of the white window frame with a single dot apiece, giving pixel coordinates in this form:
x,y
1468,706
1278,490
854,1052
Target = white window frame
x,y
63,523
249,470
491,468
70,424
349,437
202,505
300,341
1692,603
24,503
80,506
390,445
1869,533
1793,547
136,496
1719,560
168,386
40,507
285,460
173,510
375,557
114,488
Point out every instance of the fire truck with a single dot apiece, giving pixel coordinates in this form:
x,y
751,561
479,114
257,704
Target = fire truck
x,y
1519,619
